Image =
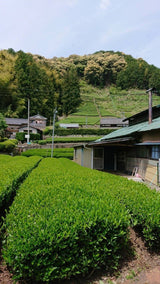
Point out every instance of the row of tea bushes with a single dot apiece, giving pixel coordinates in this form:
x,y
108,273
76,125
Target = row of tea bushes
x,y
57,153
63,222
143,205
12,171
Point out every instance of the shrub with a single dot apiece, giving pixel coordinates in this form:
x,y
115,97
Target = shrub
x,y
2,147
42,142
15,141
20,136
34,136
7,146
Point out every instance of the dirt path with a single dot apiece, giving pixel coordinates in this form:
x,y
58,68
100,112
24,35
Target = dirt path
x,y
97,108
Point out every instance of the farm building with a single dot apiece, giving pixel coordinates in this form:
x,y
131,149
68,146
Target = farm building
x,y
113,122
133,148
37,124
69,125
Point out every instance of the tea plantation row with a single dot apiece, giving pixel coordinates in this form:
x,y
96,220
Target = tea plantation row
x,y
63,223
66,220
12,173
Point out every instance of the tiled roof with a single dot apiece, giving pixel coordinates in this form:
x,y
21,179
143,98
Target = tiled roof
x,y
16,121
38,116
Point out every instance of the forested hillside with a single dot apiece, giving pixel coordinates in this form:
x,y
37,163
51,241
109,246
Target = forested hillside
x,y
60,82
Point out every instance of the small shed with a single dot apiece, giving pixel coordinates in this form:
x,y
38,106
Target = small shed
x,y
113,122
69,125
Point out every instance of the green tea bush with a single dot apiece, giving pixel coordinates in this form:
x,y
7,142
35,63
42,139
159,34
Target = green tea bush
x,y
71,139
80,131
63,222
143,205
57,153
13,171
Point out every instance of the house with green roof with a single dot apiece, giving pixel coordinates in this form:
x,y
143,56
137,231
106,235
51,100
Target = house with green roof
x,y
132,149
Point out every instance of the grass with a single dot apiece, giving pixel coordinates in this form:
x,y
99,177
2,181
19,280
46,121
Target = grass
x,y
97,103
84,120
131,275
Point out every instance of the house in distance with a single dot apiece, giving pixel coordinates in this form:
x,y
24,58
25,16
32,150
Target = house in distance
x,y
113,122
37,124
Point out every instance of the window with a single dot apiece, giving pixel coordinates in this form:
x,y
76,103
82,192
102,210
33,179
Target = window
x,y
155,152
98,153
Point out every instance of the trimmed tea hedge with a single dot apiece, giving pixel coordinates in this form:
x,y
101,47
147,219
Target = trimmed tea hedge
x,y
71,139
12,171
63,222
57,153
80,131
143,205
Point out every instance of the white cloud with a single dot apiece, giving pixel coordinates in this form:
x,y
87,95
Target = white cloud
x,y
104,4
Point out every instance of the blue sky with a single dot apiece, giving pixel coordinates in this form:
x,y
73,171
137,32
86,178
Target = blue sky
x,y
64,27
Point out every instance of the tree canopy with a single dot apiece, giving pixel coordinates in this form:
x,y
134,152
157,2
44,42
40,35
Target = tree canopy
x,y
51,83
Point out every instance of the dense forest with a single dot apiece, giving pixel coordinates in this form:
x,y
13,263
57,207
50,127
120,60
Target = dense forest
x,y
55,83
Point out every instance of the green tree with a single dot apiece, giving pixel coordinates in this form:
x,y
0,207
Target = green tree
x,y
154,81
33,83
3,125
93,73
70,91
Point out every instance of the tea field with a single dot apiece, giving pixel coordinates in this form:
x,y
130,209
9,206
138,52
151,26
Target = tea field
x,y
67,220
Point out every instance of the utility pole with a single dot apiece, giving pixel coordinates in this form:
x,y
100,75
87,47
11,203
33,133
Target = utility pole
x,y
54,117
28,136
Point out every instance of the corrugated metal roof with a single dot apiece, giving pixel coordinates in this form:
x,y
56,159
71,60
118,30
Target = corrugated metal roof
x,y
112,120
125,131
68,125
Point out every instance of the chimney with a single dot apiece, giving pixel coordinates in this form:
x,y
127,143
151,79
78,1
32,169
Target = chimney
x,y
150,105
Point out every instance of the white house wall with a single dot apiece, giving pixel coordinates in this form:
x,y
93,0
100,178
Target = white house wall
x,y
87,157
83,157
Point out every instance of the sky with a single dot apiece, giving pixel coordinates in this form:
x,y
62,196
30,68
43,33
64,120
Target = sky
x,y
64,27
